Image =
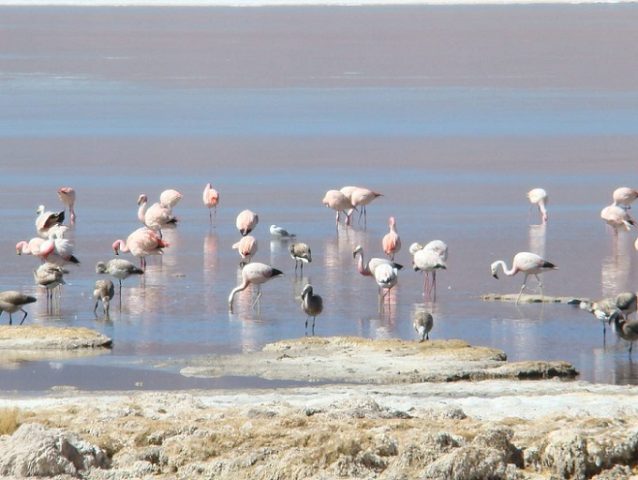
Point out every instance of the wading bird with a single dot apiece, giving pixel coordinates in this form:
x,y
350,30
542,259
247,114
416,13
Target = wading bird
x,y
253,274
141,243
67,197
46,219
391,242
118,268
300,253
12,301
211,199
246,221
103,291
429,259
423,322
246,247
617,218
526,262
338,202
311,304
624,196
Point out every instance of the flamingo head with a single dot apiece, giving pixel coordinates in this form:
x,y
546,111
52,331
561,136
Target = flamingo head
x,y
116,246
142,199
392,222
100,267
358,249
494,269
67,193
40,209
20,246
307,290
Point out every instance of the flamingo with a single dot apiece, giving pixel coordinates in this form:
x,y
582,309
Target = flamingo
x,y
57,249
103,291
11,301
624,304
429,259
311,304
391,242
386,275
624,196
211,199
118,268
368,268
46,219
246,221
246,247
281,232
32,247
361,197
300,253
154,217
526,262
423,323
67,197
617,218
253,274
141,243
49,276
169,198
337,201
538,197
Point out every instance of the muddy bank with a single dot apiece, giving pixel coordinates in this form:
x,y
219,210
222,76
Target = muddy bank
x,y
360,360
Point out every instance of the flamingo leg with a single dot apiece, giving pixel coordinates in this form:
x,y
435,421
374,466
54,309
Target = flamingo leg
x,y
313,326
540,285
256,301
522,288
10,319
434,285
306,326
25,316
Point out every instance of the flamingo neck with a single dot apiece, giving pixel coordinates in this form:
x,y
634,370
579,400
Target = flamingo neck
x,y
242,286
362,267
506,271
121,246
22,247
141,212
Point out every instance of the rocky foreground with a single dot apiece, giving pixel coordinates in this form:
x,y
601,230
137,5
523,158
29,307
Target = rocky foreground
x,y
399,426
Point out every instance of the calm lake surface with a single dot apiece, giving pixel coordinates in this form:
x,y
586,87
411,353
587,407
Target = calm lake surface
x,y
453,113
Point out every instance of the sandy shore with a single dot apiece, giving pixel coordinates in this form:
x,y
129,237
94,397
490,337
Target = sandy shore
x,y
389,426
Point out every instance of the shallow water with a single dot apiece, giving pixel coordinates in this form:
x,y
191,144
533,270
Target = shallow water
x,y
116,102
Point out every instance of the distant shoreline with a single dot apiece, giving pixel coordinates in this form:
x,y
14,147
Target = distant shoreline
x,y
296,3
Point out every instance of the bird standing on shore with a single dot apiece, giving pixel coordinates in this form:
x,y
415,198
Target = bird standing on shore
x,y
527,263
423,322
311,304
11,301
538,197
253,274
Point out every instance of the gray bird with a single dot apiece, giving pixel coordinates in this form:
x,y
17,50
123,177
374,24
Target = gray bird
x,y
423,323
12,301
626,329
118,268
49,275
300,253
104,291
623,304
311,304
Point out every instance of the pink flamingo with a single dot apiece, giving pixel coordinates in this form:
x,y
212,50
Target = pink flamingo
x,y
169,198
526,262
538,196
247,247
429,259
368,268
67,197
154,217
624,197
32,247
617,217
211,199
337,201
246,221
57,249
253,274
141,243
391,242
361,197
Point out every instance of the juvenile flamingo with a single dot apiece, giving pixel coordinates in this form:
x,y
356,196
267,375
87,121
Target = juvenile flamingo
x,y
67,197
300,253
246,221
624,196
246,247
141,243
118,268
423,323
211,199
311,304
253,274
391,242
538,197
12,301
49,276
526,262
104,291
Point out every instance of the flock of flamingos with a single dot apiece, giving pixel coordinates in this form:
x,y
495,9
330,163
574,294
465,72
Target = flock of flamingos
x,y
55,249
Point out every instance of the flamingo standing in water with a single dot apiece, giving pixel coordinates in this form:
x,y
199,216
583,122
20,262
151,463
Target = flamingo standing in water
x,y
386,275
246,221
246,247
368,268
527,263
32,247
624,196
429,259
211,199
169,198
617,218
391,242
67,197
47,219
338,202
154,217
538,197
58,249
141,243
300,253
118,268
253,274
104,291
361,197
311,304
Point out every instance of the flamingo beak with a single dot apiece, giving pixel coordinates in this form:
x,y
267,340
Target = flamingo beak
x,y
495,276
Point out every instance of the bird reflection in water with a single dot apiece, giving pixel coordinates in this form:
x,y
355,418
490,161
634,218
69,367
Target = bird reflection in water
x,y
615,269
537,235
211,261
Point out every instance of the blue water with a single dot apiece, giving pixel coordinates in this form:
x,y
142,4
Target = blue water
x,y
453,162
